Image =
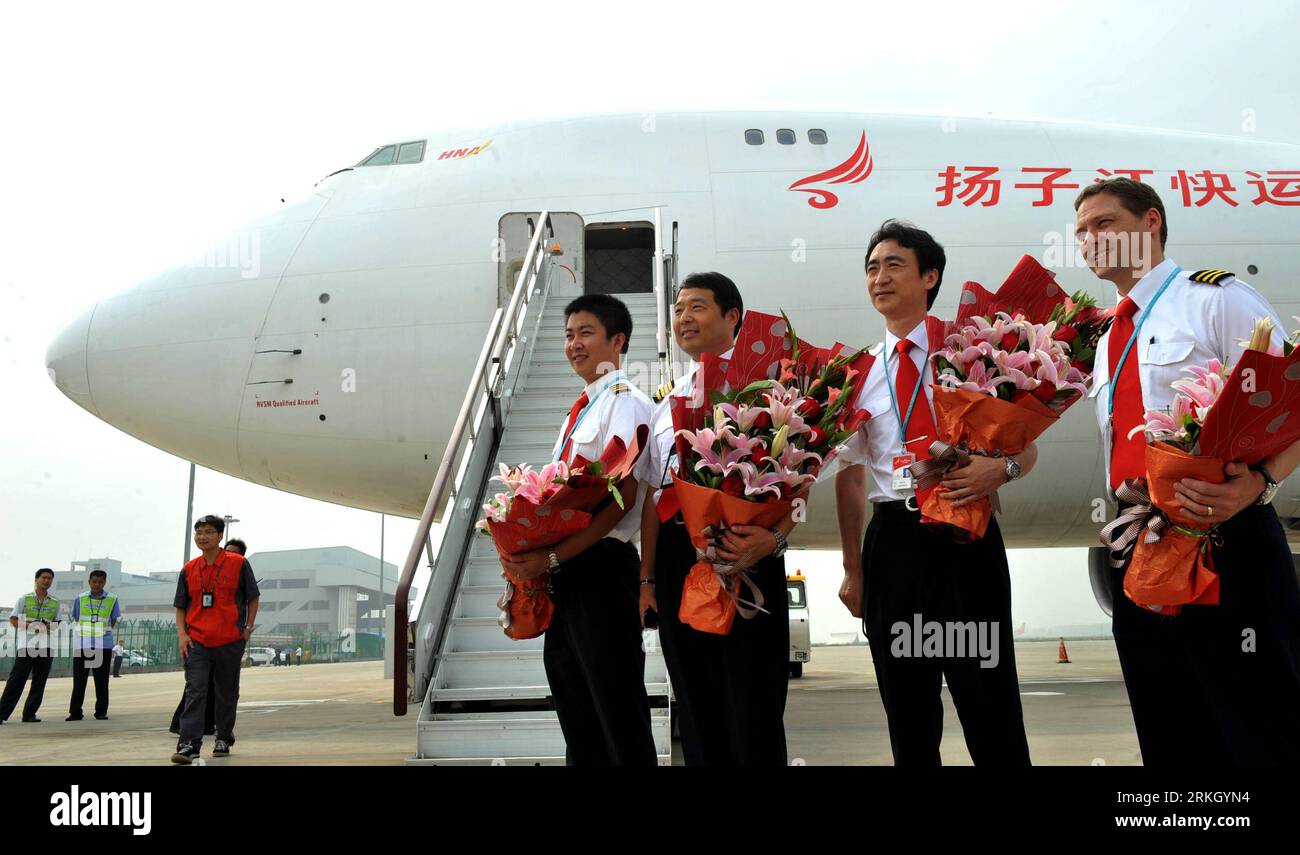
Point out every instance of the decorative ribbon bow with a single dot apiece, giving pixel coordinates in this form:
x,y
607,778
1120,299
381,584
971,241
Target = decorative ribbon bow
x,y
729,577
943,459
1121,534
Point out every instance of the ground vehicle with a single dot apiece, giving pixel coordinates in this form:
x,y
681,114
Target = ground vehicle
x,y
260,655
800,637
136,659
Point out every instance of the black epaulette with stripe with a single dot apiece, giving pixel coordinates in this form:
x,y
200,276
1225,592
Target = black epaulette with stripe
x,y
620,388
663,391
1211,277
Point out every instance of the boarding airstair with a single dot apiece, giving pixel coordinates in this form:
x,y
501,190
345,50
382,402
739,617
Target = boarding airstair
x,y
483,696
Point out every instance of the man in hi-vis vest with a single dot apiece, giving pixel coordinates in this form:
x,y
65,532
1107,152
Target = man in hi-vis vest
x,y
35,617
94,614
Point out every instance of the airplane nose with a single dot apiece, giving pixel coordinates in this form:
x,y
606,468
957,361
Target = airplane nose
x,y
65,360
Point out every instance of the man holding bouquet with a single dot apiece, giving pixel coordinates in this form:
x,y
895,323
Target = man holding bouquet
x,y
907,573
595,662
1211,683
730,688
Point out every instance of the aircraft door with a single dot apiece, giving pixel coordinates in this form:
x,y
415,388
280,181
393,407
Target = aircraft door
x,y
565,230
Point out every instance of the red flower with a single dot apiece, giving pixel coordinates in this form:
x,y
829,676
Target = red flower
x,y
759,455
810,410
1066,334
1045,392
1010,341
763,421
732,485
816,438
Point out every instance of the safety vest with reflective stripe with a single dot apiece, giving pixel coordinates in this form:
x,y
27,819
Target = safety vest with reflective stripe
x,y
93,615
33,609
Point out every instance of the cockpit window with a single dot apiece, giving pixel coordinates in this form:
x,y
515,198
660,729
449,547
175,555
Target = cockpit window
x,y
411,152
382,157
407,152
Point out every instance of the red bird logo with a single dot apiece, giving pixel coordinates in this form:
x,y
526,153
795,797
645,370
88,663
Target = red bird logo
x,y
852,171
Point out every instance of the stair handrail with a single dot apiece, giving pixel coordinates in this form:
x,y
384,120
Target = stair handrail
x,y
488,368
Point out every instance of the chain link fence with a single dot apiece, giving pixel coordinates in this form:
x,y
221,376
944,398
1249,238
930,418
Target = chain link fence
x,y
150,645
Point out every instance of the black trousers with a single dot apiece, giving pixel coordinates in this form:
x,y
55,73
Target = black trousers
x,y
221,665
1220,684
595,662
117,666
209,713
85,663
916,574
730,689
37,667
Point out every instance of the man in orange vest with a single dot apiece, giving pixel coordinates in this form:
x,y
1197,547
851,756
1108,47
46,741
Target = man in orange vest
x,y
216,608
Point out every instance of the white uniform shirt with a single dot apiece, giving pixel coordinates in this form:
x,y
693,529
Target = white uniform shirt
x,y
883,441
609,413
654,467
32,639
1191,324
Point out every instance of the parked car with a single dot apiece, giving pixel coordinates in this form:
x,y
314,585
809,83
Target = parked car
x,y
259,655
136,659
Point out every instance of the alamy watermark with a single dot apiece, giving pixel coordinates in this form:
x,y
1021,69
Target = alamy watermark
x,y
922,639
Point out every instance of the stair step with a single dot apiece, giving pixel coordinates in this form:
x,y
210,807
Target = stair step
x,y
480,601
484,635
518,736
514,674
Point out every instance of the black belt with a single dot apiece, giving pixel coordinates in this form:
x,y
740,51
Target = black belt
x,y
907,506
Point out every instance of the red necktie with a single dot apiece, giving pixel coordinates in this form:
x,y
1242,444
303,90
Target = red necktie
x,y
1127,456
919,431
571,424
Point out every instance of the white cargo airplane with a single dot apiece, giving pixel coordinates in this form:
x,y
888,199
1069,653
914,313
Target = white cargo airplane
x,y
373,293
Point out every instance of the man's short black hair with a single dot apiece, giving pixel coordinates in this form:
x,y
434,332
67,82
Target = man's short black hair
x,y
929,254
611,311
43,570
236,545
94,573
213,520
1137,197
725,294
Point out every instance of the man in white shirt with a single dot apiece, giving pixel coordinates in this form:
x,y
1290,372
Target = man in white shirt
x,y
906,576
1214,684
595,662
35,616
730,689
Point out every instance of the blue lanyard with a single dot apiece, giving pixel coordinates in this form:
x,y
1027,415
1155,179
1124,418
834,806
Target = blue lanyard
x,y
1123,357
893,400
582,414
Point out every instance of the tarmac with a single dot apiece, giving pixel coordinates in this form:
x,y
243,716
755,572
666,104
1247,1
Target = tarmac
x,y
341,714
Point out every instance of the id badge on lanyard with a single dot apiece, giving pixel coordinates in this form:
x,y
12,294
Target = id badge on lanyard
x,y
902,469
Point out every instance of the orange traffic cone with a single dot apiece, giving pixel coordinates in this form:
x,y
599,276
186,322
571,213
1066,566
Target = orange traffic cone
x,y
1061,656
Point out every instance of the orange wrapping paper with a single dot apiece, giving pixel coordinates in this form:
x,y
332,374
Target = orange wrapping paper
x,y
707,601
987,424
1177,569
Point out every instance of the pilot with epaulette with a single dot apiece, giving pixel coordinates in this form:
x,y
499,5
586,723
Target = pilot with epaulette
x,y
595,661
1213,684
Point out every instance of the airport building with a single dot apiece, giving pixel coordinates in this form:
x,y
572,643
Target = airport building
x,y
303,591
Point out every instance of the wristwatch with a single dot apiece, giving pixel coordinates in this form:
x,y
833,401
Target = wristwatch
x,y
1270,488
781,543
553,561
1013,469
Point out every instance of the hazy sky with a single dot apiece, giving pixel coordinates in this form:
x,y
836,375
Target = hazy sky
x,y
137,133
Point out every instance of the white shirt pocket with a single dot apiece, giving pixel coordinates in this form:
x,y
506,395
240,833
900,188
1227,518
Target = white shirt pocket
x,y
1162,365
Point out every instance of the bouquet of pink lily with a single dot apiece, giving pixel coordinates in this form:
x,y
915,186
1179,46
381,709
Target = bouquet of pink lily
x,y
747,458
542,507
1002,378
1217,417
